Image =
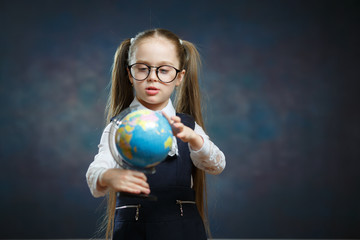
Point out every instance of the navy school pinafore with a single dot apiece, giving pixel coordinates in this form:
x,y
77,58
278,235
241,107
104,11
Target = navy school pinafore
x,y
174,215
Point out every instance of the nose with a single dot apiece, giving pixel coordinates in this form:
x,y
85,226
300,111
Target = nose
x,y
152,75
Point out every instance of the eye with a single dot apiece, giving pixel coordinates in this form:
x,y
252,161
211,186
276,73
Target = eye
x,y
141,68
164,69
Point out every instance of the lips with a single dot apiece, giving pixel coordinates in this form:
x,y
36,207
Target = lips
x,y
152,90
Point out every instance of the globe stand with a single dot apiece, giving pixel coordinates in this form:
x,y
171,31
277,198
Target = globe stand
x,y
115,123
134,195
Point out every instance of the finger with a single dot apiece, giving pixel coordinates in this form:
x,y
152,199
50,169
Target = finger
x,y
133,182
134,189
176,119
139,175
135,178
178,127
182,132
181,135
130,174
141,188
139,182
166,116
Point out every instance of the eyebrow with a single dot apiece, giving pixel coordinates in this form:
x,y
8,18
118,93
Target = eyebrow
x,y
160,63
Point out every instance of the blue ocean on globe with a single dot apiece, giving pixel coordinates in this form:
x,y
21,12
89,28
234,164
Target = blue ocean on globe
x,y
144,138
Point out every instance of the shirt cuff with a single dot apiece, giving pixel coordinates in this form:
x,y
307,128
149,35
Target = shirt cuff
x,y
96,190
204,150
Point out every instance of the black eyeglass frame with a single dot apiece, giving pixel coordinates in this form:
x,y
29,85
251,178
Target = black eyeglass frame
x,y
156,71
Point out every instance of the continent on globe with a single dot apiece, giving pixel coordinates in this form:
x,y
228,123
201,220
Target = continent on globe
x,y
144,138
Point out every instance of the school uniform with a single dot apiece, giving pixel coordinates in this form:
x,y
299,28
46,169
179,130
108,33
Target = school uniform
x,y
174,215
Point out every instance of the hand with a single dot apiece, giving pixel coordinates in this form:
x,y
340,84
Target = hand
x,y
183,132
122,180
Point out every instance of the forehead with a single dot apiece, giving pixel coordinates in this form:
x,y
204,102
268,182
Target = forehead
x,y
155,51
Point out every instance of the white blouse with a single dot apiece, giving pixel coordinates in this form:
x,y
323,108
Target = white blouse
x,y
209,158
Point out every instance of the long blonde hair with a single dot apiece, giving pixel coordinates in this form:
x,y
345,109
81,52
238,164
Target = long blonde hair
x,y
187,100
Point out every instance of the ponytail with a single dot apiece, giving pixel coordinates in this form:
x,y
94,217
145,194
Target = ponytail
x,y
121,93
188,100
120,97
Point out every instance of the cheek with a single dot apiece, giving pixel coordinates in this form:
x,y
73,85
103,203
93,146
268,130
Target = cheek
x,y
136,85
171,88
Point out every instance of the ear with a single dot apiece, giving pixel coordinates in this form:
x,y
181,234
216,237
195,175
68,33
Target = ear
x,y
180,77
129,76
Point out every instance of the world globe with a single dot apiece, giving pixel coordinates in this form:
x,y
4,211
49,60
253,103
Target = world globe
x,y
144,138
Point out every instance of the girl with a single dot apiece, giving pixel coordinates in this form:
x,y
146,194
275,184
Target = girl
x,y
152,65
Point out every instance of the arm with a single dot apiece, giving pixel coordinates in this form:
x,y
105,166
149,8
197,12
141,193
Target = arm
x,y
203,152
103,173
209,158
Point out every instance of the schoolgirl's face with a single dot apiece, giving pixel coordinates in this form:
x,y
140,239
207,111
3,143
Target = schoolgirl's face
x,y
155,51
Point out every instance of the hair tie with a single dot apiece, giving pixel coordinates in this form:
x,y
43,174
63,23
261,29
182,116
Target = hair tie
x,y
132,41
180,41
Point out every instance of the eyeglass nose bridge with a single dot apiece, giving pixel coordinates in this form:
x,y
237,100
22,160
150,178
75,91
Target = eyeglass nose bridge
x,y
149,72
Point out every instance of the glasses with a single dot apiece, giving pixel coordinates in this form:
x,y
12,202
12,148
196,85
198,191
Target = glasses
x,y
165,73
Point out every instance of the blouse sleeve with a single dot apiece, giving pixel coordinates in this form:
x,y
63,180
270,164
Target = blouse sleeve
x,y
209,158
103,160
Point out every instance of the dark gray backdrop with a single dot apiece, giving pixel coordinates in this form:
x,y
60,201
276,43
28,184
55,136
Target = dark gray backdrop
x,y
280,83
